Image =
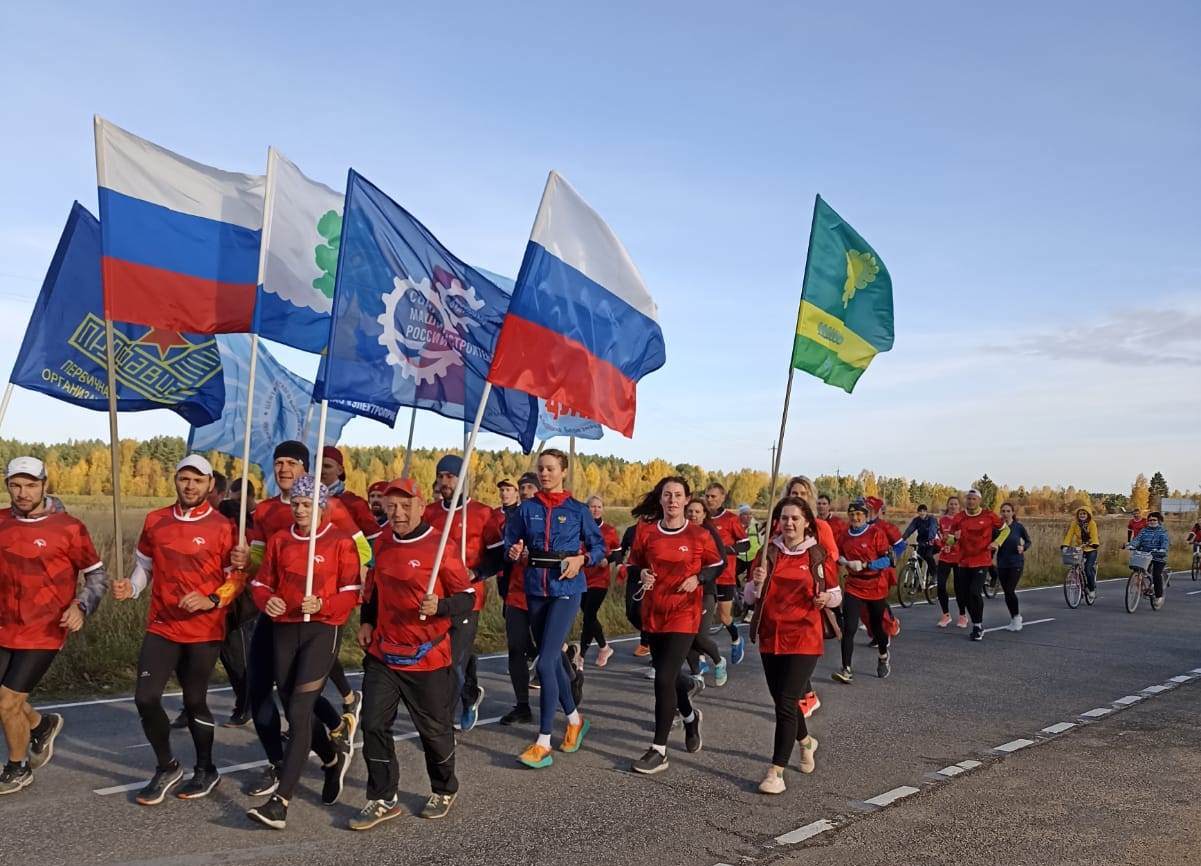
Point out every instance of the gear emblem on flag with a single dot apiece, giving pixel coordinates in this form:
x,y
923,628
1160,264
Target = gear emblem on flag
x,y
446,311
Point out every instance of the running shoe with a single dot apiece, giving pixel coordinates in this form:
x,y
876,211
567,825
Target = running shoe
x,y
1015,624
977,632
808,747
738,651
375,812
873,642
574,656
692,732
471,712
535,683
650,763
696,685
335,774
944,620
203,780
519,715
354,709
343,735
437,806
882,667
961,622
41,740
160,783
719,673
650,673
1090,595
238,719
810,704
602,657
577,687
273,813
704,666
14,777
267,782
536,757
574,738
773,783
843,676
180,721
642,650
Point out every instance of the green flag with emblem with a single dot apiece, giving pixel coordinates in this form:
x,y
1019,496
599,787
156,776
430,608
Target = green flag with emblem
x,y
846,303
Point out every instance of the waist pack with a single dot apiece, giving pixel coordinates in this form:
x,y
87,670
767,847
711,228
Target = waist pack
x,y
550,559
403,655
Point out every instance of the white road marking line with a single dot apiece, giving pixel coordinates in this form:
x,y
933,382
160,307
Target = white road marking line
x,y
1013,745
1058,727
1024,625
1156,689
1180,679
1128,700
892,796
800,834
953,770
1060,585
969,764
1194,592
1195,671
1097,713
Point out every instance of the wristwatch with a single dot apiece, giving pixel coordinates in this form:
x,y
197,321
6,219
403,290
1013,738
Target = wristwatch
x,y
215,599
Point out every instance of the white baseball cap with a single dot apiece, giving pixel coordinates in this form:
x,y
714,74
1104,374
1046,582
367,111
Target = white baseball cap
x,y
30,466
197,462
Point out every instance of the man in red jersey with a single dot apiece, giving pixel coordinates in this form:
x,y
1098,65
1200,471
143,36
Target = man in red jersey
x,y
405,634
462,630
734,541
41,556
1136,525
333,476
183,553
375,501
825,512
977,533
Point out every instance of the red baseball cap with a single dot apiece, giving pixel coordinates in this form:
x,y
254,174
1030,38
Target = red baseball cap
x,y
381,486
332,453
402,487
874,503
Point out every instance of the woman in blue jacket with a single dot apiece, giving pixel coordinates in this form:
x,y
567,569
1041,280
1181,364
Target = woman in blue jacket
x,y
558,537
1011,560
1153,539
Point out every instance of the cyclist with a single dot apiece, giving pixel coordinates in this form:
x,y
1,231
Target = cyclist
x,y
1153,539
948,565
1083,533
1011,559
1194,537
925,525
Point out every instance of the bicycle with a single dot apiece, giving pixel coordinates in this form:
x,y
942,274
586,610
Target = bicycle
x,y
1196,568
992,583
1140,584
915,578
1074,582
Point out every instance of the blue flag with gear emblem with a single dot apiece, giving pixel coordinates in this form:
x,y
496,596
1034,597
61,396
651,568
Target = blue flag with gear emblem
x,y
412,325
64,353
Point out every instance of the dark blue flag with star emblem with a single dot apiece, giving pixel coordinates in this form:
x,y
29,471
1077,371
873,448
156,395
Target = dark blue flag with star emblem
x,y
63,354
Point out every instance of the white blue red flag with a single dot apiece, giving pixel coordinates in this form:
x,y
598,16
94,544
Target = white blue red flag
x,y
581,329
180,240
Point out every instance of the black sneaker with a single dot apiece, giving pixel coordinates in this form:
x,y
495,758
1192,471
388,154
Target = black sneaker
x,y
203,780
977,632
335,775
238,719
843,676
692,733
353,708
650,763
162,782
577,687
883,669
696,685
180,721
14,777
267,782
273,813
437,806
41,740
519,715
375,812
343,736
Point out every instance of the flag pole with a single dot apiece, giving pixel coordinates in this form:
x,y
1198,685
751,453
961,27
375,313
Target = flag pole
x,y
404,472
313,521
459,485
114,445
537,453
466,496
242,503
8,394
571,464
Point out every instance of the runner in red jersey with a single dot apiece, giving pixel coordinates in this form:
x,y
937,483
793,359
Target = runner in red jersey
x,y
825,512
788,627
305,633
977,532
866,554
734,541
333,476
405,633
598,576
462,631
948,564
184,553
697,512
1136,525
670,557
876,509
375,501
41,556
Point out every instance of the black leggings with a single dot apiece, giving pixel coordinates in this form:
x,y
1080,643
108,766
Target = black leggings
x,y
1010,577
521,651
969,591
944,571
1157,569
671,685
787,676
703,644
337,676
875,615
192,664
304,652
590,604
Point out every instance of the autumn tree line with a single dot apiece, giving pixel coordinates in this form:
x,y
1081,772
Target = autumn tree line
x,y
83,468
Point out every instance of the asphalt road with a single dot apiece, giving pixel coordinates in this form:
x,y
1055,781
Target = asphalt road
x,y
948,701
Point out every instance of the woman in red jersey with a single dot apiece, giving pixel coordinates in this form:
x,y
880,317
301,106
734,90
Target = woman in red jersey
x,y
948,565
867,555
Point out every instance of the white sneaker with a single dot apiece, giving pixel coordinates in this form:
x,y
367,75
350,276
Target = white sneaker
x,y
650,673
602,657
1015,624
773,783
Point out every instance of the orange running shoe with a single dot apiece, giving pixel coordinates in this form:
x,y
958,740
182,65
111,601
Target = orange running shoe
x,y
536,757
642,650
575,736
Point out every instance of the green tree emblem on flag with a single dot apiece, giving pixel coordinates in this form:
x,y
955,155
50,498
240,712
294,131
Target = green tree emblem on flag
x,y
329,227
861,272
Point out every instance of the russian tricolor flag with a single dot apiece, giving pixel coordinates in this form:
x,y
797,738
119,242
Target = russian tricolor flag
x,y
581,329
180,240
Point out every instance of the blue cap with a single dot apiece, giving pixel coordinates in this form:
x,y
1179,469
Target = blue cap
x,y
450,464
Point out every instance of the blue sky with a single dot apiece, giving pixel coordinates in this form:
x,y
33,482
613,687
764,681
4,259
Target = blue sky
x,y
1027,171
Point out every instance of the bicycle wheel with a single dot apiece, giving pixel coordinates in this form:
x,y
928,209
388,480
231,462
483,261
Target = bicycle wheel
x,y
930,588
907,585
990,587
1073,589
1134,591
1196,571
